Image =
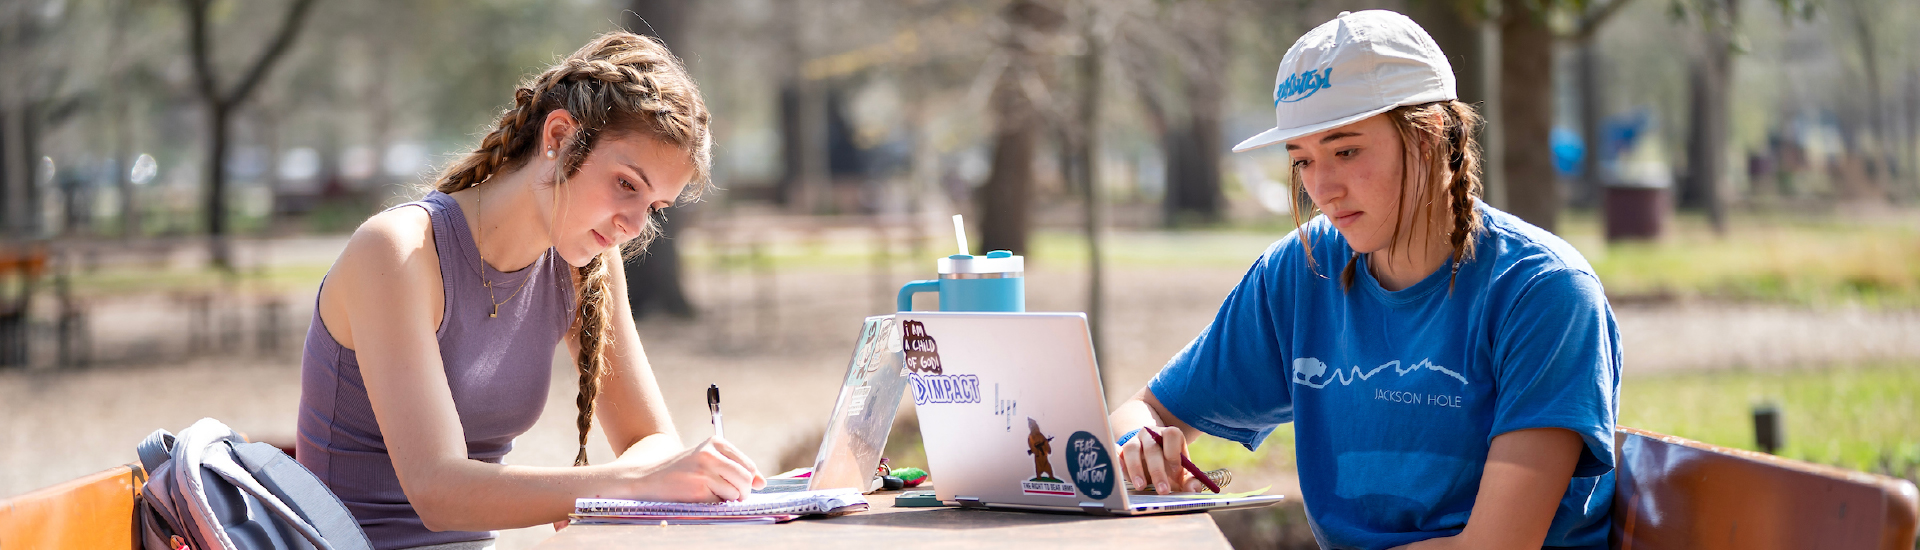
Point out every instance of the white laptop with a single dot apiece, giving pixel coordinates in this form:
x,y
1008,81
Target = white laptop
x,y
1013,416
862,415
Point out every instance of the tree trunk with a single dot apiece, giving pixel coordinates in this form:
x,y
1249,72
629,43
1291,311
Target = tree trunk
x,y
9,181
1710,76
1087,157
1004,200
1193,172
1194,146
654,278
1526,103
1589,91
216,191
1007,196
803,117
803,144
221,104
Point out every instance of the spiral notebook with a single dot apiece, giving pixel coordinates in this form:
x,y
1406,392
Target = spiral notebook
x,y
799,503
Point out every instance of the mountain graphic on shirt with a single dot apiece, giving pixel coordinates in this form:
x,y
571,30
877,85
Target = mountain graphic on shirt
x,y
1312,373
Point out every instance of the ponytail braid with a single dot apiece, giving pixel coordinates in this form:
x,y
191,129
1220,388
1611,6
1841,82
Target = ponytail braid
x,y
1462,123
621,83
594,325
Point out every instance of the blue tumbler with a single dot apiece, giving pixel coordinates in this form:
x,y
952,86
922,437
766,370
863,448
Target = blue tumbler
x,y
992,282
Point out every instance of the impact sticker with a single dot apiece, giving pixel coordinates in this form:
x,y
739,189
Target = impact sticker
x,y
1043,483
926,378
1090,466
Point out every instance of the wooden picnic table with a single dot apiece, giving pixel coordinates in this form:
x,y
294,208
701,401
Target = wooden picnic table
x,y
918,528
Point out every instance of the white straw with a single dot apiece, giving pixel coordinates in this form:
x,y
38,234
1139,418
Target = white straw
x,y
960,232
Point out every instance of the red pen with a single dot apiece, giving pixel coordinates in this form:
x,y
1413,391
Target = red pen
x,y
1184,462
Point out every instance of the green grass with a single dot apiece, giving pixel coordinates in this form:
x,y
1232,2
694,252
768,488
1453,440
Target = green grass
x,y
131,281
1864,418
1801,260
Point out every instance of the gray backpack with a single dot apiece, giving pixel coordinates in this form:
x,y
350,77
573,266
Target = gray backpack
x,y
210,489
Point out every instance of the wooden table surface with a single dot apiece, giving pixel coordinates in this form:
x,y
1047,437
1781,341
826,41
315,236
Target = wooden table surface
x,y
918,528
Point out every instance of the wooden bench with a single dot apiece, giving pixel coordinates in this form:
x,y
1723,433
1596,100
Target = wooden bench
x,y
1672,492
96,511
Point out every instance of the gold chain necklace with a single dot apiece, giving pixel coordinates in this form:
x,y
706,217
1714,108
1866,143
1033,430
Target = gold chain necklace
x,y
487,281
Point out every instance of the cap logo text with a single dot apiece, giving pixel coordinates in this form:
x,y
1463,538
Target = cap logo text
x,y
1302,86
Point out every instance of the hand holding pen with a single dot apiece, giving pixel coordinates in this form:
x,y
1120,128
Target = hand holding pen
x,y
1154,461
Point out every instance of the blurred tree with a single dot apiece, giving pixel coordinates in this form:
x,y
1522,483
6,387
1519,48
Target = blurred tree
x,y
31,78
1867,22
1521,117
1095,26
1018,107
654,277
1588,89
1709,98
222,102
1177,61
1526,113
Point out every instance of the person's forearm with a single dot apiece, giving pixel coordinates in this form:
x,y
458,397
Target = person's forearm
x,y
469,495
1130,415
1145,410
654,448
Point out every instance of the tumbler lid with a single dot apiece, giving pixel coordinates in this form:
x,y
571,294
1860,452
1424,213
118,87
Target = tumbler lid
x,y
997,261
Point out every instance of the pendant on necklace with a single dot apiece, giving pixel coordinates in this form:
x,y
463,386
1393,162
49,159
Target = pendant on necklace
x,y
495,313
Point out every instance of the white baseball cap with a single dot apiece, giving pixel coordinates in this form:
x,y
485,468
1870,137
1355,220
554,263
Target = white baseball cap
x,y
1358,65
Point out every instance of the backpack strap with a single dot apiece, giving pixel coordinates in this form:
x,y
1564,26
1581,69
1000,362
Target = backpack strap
x,y
157,449
299,489
226,467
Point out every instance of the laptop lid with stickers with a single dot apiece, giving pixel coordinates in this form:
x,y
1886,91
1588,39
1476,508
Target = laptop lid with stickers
x,y
1013,414
1010,409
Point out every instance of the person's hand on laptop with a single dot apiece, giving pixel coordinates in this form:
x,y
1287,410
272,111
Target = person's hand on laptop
x,y
1145,461
712,471
1157,464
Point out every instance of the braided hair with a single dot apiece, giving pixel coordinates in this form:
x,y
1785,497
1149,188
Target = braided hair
x,y
1439,153
619,83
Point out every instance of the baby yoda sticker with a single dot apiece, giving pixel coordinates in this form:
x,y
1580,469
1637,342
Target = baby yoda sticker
x,y
1043,483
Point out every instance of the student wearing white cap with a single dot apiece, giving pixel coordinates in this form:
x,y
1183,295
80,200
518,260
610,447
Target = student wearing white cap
x,y
1451,371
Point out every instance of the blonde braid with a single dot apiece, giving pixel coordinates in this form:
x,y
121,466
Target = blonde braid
x,y
594,325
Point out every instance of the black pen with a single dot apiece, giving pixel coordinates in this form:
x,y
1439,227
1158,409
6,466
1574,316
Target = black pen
x,y
713,406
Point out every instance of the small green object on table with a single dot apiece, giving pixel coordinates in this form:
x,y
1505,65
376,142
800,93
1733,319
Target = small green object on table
x,y
912,476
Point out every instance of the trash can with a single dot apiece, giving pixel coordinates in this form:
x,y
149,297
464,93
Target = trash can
x,y
1637,208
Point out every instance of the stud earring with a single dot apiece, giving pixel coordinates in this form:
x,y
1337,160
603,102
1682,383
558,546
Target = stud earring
x,y
550,153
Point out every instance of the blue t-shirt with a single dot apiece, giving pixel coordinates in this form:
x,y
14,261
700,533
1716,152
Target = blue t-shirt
x,y
1396,396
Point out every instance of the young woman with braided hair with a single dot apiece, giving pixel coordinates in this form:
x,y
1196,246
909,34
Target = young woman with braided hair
x,y
432,342
1451,371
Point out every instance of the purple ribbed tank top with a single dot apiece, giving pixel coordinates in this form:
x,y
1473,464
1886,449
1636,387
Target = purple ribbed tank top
x,y
498,369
